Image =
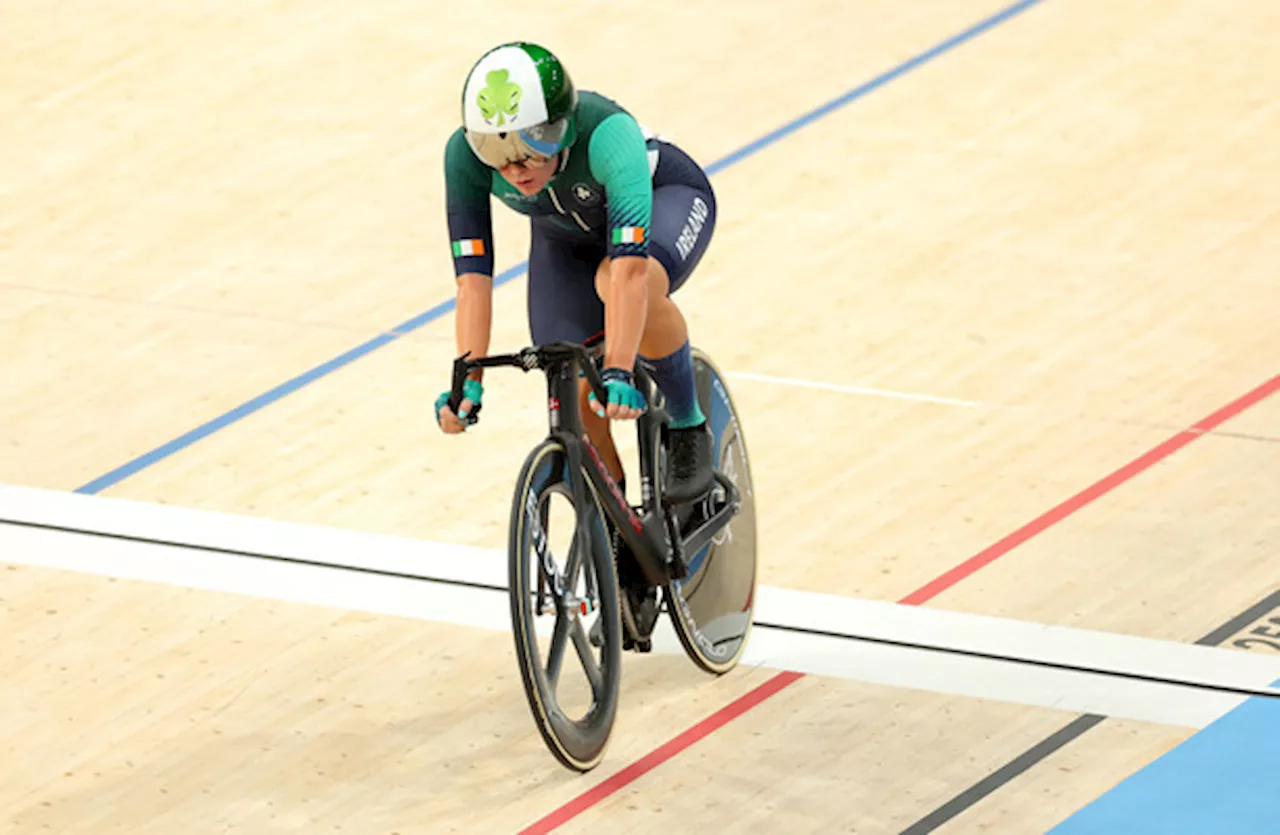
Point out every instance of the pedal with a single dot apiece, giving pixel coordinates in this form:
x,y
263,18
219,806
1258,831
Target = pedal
x,y
638,645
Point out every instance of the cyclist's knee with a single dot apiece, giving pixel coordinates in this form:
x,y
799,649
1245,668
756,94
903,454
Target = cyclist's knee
x,y
656,277
602,281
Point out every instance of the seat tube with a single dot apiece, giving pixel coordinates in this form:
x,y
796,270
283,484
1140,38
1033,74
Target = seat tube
x,y
647,430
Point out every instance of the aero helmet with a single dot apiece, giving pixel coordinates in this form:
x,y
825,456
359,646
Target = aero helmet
x,y
518,103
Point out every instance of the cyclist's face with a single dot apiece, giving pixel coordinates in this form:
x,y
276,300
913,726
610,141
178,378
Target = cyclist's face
x,y
530,176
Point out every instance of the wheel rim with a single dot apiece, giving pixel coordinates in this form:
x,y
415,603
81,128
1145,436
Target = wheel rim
x,y
572,686
712,606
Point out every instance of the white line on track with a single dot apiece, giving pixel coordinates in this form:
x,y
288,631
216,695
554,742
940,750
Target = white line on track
x,y
864,390
891,394
950,652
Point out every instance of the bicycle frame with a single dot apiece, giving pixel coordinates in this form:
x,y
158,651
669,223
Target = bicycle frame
x,y
658,547
596,576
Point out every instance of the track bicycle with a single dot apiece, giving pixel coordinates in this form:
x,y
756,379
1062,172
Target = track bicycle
x,y
590,571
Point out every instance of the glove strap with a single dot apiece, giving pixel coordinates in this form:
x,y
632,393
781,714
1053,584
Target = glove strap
x,y
610,375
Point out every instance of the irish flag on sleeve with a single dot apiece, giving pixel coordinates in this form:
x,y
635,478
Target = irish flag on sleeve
x,y
472,247
628,235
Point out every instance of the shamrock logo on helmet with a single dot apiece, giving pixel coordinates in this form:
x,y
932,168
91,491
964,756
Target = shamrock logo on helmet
x,y
500,97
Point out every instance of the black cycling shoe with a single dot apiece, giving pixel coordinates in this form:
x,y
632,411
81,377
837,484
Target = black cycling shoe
x,y
689,473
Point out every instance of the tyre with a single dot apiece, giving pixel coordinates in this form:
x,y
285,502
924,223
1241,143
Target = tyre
x,y
561,579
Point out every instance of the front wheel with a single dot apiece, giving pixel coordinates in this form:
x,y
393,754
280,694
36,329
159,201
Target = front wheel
x,y
561,580
712,607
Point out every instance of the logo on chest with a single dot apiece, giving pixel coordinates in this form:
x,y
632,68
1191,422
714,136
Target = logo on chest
x,y
584,195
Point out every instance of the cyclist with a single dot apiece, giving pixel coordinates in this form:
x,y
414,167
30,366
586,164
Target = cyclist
x,y
619,219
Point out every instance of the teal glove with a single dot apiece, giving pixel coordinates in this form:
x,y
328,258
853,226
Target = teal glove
x,y
468,412
620,385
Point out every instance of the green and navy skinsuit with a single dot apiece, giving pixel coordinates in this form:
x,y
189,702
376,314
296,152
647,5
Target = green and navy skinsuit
x,y
619,191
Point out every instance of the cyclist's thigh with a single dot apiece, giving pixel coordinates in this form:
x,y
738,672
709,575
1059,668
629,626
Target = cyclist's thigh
x,y
684,214
563,305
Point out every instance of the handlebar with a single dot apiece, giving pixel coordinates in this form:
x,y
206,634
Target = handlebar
x,y
539,357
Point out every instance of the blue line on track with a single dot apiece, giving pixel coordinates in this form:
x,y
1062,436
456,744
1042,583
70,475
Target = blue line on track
x,y
267,398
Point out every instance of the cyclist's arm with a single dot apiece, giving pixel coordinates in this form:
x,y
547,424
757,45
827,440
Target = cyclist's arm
x,y
467,182
474,320
620,161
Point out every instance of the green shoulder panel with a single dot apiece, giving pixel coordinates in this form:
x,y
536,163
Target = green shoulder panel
x,y
619,160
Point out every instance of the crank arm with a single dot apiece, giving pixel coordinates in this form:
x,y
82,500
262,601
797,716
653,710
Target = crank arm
x,y
704,533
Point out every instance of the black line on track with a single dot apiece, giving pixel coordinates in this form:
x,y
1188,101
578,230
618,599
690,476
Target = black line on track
x,y
1005,773
1227,629
237,552
1241,620
1032,662
1058,739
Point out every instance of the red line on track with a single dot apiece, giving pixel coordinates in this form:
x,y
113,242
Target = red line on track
x,y
742,704
1143,462
661,754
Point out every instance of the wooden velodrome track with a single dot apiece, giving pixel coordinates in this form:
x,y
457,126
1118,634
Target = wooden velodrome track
x,y
1001,322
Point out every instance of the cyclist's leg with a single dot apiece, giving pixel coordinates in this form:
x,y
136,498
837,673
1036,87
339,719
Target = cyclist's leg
x,y
683,220
563,306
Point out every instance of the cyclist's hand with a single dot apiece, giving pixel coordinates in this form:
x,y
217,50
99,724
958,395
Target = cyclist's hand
x,y
452,424
625,400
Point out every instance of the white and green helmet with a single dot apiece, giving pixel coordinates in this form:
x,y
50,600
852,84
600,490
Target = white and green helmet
x,y
518,103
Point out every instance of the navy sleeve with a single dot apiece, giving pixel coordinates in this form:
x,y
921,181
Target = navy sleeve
x,y
467,185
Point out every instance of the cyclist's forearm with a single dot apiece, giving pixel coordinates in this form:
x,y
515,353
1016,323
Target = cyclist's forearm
x,y
625,311
474,319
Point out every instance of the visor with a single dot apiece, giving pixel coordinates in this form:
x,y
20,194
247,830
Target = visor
x,y
497,150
